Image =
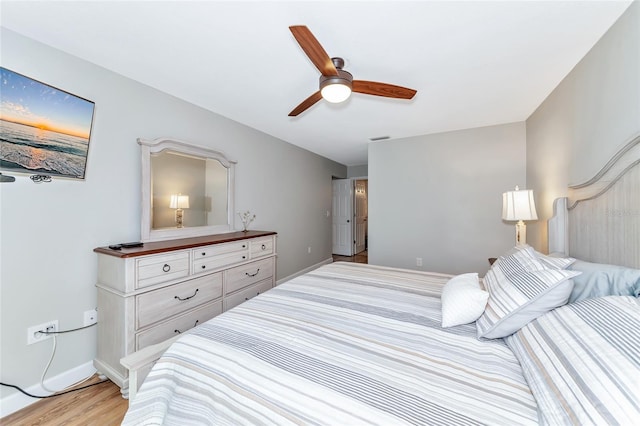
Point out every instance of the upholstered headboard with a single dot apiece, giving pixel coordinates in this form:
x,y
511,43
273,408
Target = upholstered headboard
x,y
599,221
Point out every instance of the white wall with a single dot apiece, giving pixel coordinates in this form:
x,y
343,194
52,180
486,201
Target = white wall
x,y
49,231
439,197
592,113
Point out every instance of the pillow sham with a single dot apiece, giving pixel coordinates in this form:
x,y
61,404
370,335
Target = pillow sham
x,y
550,261
463,301
598,279
581,361
555,262
519,259
521,289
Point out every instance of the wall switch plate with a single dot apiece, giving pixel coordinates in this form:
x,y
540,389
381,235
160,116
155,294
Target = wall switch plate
x,y
418,261
90,317
34,335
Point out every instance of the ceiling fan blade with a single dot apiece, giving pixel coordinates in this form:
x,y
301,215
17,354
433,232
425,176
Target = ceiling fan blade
x,y
306,104
313,49
382,89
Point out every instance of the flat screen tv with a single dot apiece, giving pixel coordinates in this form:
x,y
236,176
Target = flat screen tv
x,y
43,130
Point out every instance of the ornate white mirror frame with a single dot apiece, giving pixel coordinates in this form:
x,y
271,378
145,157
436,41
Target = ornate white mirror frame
x,y
149,149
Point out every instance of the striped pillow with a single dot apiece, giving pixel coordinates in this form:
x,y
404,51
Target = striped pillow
x,y
555,262
582,362
521,289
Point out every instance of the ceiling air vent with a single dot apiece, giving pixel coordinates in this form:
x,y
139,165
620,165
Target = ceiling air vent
x,y
379,138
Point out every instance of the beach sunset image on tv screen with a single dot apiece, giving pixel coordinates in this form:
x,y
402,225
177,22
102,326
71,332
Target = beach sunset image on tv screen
x,y
43,130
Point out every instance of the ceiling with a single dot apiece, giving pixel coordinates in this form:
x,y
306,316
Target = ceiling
x,y
474,63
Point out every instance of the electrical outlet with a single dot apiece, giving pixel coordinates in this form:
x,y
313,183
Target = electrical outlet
x,y
34,335
90,317
418,261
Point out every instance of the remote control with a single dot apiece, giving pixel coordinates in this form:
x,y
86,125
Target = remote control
x,y
131,245
115,247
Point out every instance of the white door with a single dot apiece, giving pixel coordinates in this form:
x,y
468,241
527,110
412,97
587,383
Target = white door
x,y
360,216
342,214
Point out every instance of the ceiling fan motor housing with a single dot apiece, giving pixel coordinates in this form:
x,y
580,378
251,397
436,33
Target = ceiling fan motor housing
x,y
344,77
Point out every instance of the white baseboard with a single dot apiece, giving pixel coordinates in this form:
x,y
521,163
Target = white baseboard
x,y
305,270
17,401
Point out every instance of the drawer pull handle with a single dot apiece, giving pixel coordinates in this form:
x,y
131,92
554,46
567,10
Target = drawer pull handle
x,y
166,267
187,298
204,254
252,275
180,332
247,298
264,247
204,266
244,246
244,257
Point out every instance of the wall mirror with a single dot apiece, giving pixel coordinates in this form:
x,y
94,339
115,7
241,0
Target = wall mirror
x,y
187,190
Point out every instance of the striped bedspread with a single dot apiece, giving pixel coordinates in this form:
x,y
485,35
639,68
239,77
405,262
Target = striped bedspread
x,y
346,344
582,362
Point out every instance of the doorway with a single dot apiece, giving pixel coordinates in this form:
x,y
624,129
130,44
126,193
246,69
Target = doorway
x,y
350,216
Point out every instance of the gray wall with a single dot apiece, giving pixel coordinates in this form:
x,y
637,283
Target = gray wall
x,y
48,231
357,171
439,197
592,113
179,174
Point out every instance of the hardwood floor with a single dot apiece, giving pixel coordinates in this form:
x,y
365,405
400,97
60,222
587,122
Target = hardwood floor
x,y
362,257
100,405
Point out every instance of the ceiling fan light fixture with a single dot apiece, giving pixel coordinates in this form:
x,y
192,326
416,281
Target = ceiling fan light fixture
x,y
336,88
336,92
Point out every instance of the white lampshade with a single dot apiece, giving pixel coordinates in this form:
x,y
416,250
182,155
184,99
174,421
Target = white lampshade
x,y
179,201
336,92
519,205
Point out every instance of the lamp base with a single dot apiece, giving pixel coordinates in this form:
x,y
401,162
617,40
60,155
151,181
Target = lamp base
x,y
179,216
521,233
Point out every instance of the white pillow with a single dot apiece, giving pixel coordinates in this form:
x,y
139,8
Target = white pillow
x,y
463,301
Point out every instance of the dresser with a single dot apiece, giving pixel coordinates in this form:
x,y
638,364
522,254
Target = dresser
x,y
149,294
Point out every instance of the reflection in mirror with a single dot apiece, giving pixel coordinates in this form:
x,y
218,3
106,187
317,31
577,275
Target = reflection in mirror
x,y
186,190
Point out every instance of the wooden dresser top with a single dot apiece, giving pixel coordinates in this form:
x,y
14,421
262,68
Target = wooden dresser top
x,y
182,243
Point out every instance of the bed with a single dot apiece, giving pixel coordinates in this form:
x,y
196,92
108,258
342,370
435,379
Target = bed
x,y
351,344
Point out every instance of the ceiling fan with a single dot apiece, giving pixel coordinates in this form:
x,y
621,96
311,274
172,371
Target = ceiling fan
x,y
337,84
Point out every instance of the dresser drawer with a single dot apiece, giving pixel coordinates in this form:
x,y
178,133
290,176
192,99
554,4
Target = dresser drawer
x,y
245,275
215,257
261,247
217,249
160,304
180,324
161,268
246,294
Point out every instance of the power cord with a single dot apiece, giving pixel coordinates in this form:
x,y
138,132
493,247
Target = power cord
x,y
56,394
65,331
53,353
44,373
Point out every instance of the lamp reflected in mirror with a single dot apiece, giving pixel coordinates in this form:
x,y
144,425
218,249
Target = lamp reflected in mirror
x,y
179,202
206,178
